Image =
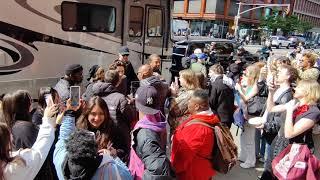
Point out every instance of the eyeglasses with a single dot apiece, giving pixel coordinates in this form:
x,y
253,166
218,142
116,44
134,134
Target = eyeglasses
x,y
126,55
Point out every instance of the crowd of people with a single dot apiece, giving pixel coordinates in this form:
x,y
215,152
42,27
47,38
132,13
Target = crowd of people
x,y
131,125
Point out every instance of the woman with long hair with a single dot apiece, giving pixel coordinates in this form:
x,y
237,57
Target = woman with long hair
x,y
179,102
45,94
16,112
26,163
302,112
247,90
96,118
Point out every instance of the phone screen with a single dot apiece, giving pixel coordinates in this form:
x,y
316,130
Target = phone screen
x,y
176,80
134,86
48,98
75,95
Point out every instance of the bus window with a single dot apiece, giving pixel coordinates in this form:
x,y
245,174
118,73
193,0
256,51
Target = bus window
x,y
154,22
83,17
136,21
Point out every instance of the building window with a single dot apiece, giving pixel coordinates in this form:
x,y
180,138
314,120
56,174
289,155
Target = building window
x,y
215,6
178,6
136,21
258,13
247,14
233,9
194,6
154,22
83,17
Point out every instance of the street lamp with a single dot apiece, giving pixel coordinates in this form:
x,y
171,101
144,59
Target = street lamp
x,y
258,6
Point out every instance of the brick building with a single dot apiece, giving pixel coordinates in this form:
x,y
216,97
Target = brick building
x,y
217,16
309,10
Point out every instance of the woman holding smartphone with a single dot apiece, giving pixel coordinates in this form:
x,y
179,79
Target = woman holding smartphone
x,y
96,118
179,102
247,90
16,110
46,94
302,112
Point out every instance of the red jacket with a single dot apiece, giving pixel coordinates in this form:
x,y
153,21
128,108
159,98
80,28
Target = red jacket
x,y
192,148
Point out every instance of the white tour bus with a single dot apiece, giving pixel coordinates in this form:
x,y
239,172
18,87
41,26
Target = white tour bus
x,y
38,38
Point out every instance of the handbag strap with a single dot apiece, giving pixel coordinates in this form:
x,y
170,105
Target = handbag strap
x,y
197,121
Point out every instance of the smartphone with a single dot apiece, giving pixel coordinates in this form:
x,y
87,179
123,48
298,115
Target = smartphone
x,y
75,95
48,98
176,80
134,86
93,135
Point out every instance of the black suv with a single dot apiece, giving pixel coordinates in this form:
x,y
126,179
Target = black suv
x,y
224,49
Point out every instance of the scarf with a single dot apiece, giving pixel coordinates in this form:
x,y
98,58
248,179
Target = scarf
x,y
300,110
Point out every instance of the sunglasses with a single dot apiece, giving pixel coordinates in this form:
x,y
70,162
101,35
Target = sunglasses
x,y
126,55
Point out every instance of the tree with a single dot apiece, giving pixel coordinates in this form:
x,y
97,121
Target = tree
x,y
286,24
304,26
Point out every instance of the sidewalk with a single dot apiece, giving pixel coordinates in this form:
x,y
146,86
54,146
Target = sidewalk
x,y
237,173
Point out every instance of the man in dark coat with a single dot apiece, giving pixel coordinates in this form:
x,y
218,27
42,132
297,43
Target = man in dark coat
x,y
130,73
221,97
73,76
148,158
117,104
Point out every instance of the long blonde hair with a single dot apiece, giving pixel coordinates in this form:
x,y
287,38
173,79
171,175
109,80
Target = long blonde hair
x,y
252,73
311,89
190,78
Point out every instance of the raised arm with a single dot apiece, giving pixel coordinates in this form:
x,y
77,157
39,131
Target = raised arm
x,y
36,156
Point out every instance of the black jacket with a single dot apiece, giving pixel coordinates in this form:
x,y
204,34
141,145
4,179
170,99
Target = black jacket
x,y
24,136
118,108
273,124
131,75
37,116
157,165
221,100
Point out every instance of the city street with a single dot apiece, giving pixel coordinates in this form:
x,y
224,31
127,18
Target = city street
x,y
237,173
276,52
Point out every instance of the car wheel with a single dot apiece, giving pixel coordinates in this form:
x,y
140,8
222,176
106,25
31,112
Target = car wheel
x,y
278,46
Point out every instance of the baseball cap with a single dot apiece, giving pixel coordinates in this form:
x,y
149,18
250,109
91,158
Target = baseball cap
x,y
124,50
202,56
73,68
147,100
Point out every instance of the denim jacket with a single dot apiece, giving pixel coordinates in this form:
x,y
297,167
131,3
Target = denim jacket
x,y
117,168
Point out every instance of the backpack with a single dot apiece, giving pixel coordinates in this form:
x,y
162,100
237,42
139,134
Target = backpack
x,y
238,115
225,151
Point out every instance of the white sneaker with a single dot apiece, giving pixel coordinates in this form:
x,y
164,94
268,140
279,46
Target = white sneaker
x,y
246,165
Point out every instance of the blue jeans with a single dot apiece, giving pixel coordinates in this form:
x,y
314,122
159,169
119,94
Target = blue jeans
x,y
260,143
267,158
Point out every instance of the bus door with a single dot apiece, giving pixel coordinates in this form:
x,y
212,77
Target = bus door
x,y
153,42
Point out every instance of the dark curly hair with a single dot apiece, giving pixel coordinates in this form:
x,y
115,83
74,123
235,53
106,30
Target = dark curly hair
x,y
81,146
105,132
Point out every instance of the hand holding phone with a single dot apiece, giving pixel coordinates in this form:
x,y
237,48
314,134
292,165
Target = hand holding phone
x,y
75,95
49,100
176,81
